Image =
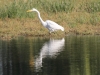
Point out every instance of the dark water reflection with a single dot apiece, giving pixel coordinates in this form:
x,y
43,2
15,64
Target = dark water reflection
x,y
73,55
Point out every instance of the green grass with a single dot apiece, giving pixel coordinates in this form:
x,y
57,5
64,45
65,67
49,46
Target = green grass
x,y
80,11
92,7
18,8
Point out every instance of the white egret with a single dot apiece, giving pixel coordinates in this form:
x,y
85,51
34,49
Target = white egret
x,y
50,25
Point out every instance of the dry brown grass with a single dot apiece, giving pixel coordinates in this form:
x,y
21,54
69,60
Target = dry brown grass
x,y
11,28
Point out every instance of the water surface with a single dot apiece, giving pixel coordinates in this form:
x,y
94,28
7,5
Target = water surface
x,y
71,55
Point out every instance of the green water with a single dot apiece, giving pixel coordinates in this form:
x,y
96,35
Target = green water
x,y
71,55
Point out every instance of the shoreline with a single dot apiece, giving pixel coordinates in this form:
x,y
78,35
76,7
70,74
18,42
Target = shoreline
x,y
12,28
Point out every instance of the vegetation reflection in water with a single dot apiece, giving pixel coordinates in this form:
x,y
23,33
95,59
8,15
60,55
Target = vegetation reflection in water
x,y
73,55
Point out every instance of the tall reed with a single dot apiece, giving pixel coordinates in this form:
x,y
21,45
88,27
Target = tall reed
x,y
18,8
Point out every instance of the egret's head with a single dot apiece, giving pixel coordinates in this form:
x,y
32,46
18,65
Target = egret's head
x,y
32,10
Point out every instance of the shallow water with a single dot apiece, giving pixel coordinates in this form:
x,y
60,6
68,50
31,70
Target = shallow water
x,y
71,55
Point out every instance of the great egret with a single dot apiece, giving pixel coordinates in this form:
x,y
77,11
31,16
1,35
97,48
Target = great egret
x,y
50,25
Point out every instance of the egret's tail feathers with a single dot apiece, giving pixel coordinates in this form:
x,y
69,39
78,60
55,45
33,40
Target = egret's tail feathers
x,y
62,29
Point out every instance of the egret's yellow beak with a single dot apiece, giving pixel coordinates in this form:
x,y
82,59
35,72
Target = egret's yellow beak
x,y
29,10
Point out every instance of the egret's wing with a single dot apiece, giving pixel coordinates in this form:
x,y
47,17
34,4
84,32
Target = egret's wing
x,y
53,25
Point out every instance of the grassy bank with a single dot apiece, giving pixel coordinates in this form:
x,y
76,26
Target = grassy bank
x,y
76,16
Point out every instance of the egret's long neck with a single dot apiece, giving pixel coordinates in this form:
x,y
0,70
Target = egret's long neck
x,y
40,18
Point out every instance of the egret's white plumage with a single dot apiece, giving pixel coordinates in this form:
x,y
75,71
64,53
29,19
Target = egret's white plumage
x,y
50,25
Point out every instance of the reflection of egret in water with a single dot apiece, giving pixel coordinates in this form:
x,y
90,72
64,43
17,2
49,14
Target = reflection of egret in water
x,y
50,49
